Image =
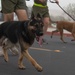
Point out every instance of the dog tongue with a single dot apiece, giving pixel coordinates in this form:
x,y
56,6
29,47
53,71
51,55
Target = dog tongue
x,y
39,40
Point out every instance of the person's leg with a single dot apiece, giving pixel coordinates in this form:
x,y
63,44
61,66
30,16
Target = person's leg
x,y
7,9
46,22
8,17
21,10
21,14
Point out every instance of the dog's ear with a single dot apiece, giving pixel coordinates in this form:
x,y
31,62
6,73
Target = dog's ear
x,y
37,16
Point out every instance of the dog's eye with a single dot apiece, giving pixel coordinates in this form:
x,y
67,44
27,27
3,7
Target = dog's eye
x,y
41,24
36,25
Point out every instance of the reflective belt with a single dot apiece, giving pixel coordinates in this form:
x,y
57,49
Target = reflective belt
x,y
39,5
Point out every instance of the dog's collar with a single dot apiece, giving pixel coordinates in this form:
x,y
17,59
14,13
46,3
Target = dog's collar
x,y
25,32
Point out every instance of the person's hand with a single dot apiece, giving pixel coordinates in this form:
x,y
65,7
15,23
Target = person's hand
x,y
57,1
41,0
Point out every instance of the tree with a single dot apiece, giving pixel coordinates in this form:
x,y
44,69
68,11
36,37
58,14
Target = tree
x,y
71,9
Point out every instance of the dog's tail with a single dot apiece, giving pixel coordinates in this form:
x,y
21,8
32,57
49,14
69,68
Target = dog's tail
x,y
53,21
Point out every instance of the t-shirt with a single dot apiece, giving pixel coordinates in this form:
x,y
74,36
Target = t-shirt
x,y
39,2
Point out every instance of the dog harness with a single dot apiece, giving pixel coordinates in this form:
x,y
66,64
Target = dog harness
x,y
39,5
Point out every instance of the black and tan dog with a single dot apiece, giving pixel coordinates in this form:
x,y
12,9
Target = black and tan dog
x,y
61,25
21,34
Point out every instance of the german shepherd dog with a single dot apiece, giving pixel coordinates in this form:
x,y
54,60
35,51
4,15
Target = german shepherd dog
x,y
21,34
69,26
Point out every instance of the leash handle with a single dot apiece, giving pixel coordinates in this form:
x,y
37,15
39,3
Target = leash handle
x,y
52,1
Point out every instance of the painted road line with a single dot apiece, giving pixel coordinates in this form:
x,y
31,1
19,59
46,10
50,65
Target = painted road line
x,y
43,49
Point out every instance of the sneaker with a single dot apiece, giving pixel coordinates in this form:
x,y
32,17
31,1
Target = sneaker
x,y
40,42
44,41
37,38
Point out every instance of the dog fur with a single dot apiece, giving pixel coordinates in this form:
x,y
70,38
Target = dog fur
x,y
22,35
69,26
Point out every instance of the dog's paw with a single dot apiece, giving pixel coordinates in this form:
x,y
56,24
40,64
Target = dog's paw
x,y
6,60
65,42
51,36
22,67
39,68
73,40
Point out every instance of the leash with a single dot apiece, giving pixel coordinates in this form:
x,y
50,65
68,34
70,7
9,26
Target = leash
x,y
62,9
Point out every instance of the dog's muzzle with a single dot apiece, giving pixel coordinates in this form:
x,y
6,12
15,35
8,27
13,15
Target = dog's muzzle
x,y
39,33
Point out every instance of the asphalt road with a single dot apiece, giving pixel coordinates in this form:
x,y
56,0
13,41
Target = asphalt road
x,y
56,58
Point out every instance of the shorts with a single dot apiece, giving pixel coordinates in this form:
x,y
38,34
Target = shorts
x,y
9,6
43,11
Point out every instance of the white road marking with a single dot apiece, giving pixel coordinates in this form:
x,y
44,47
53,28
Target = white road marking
x,y
43,49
